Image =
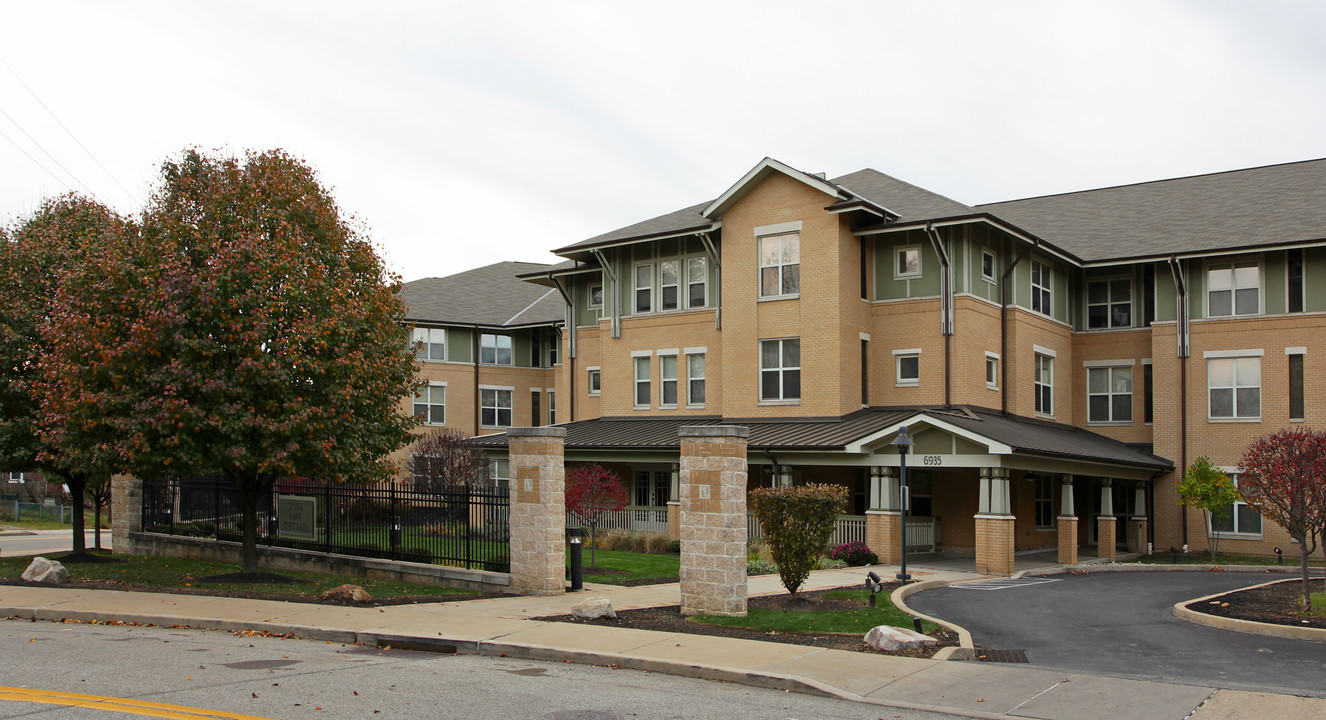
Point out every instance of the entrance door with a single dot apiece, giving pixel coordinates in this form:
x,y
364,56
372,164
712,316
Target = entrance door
x,y
653,488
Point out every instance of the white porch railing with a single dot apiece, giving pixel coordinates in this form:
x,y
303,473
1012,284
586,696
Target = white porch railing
x,y
632,517
848,528
923,533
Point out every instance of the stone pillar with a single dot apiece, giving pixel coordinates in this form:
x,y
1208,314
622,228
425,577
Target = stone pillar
x,y
884,517
1067,523
994,524
1137,523
713,520
538,510
1105,524
127,511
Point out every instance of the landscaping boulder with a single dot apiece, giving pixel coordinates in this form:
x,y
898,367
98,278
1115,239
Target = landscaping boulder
x,y
348,594
887,637
595,607
47,572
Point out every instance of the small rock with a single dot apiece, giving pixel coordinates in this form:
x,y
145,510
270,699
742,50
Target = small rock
x,y
348,594
47,572
887,637
595,607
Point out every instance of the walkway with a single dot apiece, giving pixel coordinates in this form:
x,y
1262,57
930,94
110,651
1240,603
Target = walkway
x,y
500,626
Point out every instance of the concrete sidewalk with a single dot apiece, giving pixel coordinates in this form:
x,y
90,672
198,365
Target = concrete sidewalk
x,y
503,626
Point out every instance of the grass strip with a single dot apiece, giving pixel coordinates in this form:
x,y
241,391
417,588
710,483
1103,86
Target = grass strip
x,y
857,621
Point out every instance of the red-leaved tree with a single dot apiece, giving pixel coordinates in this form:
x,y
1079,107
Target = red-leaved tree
x,y
592,493
1283,476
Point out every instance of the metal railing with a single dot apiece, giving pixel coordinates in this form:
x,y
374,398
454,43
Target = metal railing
x,y
922,533
643,518
467,526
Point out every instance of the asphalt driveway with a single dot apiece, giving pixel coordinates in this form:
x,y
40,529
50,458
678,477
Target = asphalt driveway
x,y
1121,624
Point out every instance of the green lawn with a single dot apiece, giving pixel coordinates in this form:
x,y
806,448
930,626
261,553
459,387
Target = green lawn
x,y
1318,603
1220,559
34,524
174,573
636,566
858,621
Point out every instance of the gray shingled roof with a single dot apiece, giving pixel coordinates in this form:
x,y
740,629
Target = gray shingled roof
x,y
490,295
671,223
1025,435
1275,204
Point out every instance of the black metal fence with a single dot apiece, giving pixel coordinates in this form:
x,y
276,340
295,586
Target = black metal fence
x,y
467,527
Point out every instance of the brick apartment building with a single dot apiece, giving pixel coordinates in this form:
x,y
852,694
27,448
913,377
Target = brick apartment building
x,y
1057,360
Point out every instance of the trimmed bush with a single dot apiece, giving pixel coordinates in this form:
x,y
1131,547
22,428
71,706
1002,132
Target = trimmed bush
x,y
757,566
638,542
854,554
830,564
798,522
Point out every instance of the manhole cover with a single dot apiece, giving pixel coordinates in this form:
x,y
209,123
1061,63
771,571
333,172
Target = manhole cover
x,y
581,715
260,664
1002,656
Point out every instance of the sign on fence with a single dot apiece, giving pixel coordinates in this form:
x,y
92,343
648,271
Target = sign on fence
x,y
296,516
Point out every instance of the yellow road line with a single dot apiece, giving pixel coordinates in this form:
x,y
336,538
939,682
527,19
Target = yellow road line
x,y
121,705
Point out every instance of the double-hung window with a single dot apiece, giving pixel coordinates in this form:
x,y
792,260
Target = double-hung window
x,y
1044,384
642,377
695,379
1109,394
1234,388
430,405
430,343
644,288
495,349
495,406
780,369
1296,388
780,265
667,380
1233,289
595,381
1236,519
697,282
1042,300
669,284
1109,304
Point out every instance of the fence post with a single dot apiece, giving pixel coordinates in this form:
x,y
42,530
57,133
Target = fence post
x,y
326,517
469,524
395,533
216,506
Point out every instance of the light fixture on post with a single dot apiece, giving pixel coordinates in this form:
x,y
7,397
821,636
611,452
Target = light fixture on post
x,y
904,443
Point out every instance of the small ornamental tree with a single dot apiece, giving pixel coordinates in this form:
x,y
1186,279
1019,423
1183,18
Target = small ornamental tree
x,y
797,523
1211,491
445,460
592,493
1283,476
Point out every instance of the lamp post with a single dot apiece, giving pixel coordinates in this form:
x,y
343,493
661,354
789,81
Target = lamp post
x,y
904,443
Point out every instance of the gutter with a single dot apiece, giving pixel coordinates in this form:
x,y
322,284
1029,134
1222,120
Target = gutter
x,y
1176,270
614,312
570,350
1003,330
712,252
945,310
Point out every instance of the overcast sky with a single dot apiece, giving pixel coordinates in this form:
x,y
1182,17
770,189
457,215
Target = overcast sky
x,y
465,133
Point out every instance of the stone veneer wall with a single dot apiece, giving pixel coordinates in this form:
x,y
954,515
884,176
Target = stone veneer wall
x,y
713,520
127,509
538,510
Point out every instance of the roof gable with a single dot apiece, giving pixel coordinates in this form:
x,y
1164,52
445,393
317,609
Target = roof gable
x,y
757,174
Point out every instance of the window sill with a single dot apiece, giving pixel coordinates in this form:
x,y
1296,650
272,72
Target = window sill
x,y
908,383
796,401
494,427
1233,420
593,394
772,298
916,276
1109,423
1297,420
667,407
1047,416
640,407
695,407
991,387
1237,536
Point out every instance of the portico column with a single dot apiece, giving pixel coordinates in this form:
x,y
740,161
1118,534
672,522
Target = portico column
x,y
1067,523
713,519
1137,522
884,517
994,524
1105,524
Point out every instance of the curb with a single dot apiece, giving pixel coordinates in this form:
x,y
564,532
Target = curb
x,y
1251,627
966,649
1139,567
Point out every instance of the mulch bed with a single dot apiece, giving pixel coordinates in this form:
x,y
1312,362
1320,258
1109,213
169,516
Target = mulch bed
x,y
1277,604
669,619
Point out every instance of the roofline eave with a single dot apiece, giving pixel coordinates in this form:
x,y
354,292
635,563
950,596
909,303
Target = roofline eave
x,y
570,250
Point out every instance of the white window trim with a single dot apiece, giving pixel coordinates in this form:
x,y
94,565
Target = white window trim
x,y
994,266
636,380
778,229
1109,302
898,355
897,275
993,384
508,388
1233,473
443,385
1048,277
588,385
1224,355
1036,383
759,266
1042,350
1124,362
496,347
1296,351
703,378
446,343
551,394
1109,393
1233,305
589,301
636,288
703,281
774,401
676,372
1258,352
681,282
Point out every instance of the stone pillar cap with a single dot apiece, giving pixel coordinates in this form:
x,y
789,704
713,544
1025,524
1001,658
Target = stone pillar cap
x,y
702,431
544,431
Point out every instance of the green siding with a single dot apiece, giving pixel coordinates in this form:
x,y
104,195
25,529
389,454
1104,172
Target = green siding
x,y
889,288
460,345
580,294
1166,294
1276,283
1196,289
1314,276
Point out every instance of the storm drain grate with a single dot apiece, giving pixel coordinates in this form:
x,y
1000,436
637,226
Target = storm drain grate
x,y
1002,656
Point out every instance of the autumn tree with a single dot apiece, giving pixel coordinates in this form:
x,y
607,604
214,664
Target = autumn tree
x,y
445,460
248,329
1208,489
797,522
43,249
593,493
1283,476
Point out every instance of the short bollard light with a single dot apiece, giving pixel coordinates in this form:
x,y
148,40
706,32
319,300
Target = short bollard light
x,y
874,585
573,538
1279,556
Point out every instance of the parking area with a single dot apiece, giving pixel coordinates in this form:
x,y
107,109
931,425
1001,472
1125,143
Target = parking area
x,y
1121,624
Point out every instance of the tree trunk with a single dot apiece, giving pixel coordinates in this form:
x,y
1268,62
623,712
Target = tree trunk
x,y
77,490
96,525
249,490
1303,564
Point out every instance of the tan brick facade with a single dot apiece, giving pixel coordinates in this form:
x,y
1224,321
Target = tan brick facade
x,y
994,544
1067,539
884,535
1105,540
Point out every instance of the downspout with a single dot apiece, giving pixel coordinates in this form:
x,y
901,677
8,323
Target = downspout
x,y
1176,269
1003,330
712,252
475,357
614,312
570,350
946,309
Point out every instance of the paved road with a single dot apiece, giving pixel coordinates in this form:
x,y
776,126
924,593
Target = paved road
x,y
1120,624
44,542
279,678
